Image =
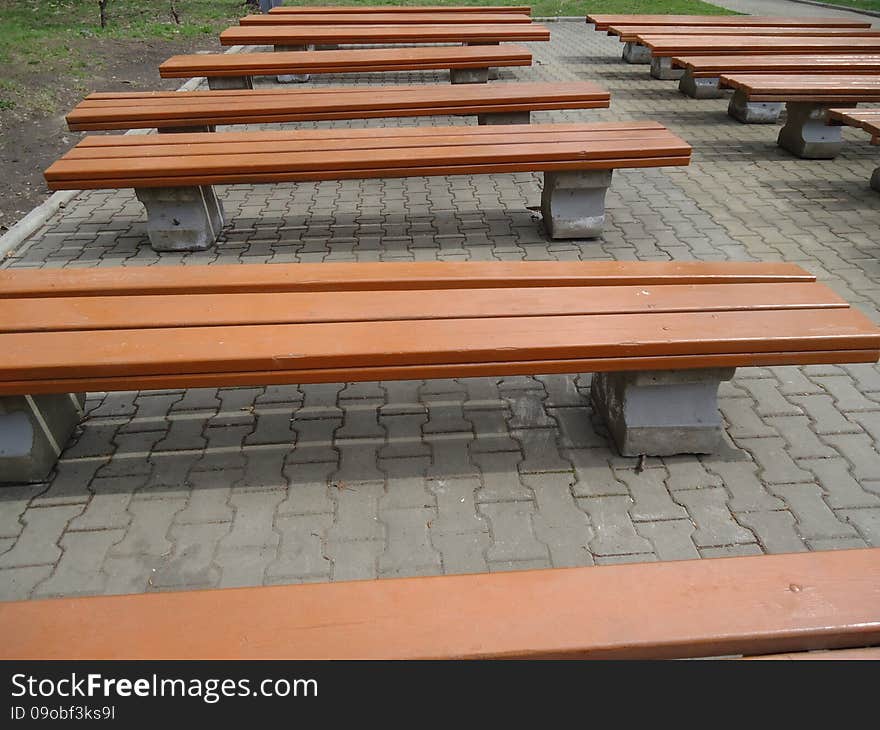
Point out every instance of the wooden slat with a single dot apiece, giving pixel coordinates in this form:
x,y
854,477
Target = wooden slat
x,y
387,34
200,310
867,119
127,111
705,66
398,9
344,61
356,18
664,45
871,653
710,607
805,87
603,21
244,278
627,33
97,354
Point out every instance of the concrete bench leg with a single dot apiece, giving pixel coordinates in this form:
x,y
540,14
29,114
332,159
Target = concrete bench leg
x,y
184,130
700,88
220,83
753,112
573,203
875,180
293,78
469,75
661,68
492,73
182,219
663,412
806,134
505,118
636,53
33,431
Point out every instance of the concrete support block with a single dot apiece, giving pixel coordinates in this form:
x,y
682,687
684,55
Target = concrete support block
x,y
182,219
505,118
875,180
293,78
573,203
700,88
469,75
661,413
492,72
220,83
806,134
636,53
184,130
753,112
661,68
33,431
327,47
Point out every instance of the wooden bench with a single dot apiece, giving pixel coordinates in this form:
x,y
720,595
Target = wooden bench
x,y
604,21
702,74
391,18
715,607
867,119
194,111
807,98
398,9
466,64
660,336
634,51
172,174
664,47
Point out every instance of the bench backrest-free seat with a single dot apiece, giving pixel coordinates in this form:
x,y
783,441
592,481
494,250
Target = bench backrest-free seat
x,y
382,18
603,21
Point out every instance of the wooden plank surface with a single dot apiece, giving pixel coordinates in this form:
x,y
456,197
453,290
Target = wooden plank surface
x,y
348,60
369,34
632,33
708,66
603,21
867,119
665,45
806,87
127,110
357,18
710,607
398,9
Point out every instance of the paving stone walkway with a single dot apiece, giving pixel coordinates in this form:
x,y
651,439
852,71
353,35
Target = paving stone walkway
x,y
245,486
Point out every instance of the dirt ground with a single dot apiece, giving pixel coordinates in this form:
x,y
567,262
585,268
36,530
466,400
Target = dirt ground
x,y
31,139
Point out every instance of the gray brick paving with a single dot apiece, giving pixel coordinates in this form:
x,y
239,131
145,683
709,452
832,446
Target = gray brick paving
x,y
211,487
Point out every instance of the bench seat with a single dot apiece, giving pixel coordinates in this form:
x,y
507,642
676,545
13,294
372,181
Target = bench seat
x,y
466,64
391,18
867,119
646,328
604,21
714,607
200,110
173,173
397,9
807,98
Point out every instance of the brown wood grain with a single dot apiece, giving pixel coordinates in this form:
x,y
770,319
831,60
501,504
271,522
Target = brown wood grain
x,y
796,63
398,9
806,87
390,18
633,33
665,45
711,607
602,21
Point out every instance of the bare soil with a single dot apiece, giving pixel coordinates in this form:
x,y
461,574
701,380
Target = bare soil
x,y
32,138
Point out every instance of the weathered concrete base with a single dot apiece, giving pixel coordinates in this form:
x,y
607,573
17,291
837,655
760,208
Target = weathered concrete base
x,y
292,78
661,68
33,431
636,53
469,75
806,134
327,47
700,88
875,180
492,72
753,112
573,203
505,118
182,219
661,413
183,130
220,83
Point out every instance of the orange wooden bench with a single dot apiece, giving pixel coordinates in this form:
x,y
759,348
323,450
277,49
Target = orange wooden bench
x,y
604,21
660,336
194,111
390,18
173,174
466,64
715,607
702,74
664,47
398,9
867,119
807,98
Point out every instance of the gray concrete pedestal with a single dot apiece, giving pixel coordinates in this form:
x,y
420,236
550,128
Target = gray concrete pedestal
x,y
661,68
220,83
753,112
33,431
573,203
182,219
636,53
505,118
491,72
184,130
292,78
806,134
700,87
663,412
875,180
469,75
